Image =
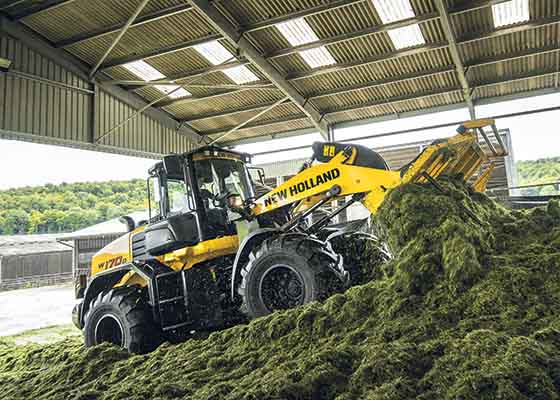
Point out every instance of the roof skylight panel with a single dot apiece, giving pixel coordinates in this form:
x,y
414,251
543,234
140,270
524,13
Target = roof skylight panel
x,y
396,10
511,12
240,74
407,36
318,57
146,72
393,10
298,32
214,52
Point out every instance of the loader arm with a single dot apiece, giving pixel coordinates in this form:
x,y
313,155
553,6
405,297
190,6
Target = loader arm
x,y
459,155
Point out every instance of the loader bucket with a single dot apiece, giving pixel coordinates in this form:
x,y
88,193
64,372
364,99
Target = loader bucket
x,y
460,155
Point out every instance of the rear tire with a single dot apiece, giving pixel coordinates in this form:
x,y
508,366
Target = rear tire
x,y
285,272
121,316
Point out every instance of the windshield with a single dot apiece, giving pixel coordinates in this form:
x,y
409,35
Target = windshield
x,y
217,178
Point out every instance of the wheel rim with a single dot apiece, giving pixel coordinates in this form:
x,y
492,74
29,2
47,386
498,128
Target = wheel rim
x,y
281,287
109,329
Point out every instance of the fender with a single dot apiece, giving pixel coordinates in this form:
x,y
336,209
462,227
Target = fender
x,y
252,240
107,279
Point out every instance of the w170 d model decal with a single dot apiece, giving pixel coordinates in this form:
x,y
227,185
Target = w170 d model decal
x,y
112,263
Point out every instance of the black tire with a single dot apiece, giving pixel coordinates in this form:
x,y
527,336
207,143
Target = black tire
x,y
121,316
285,272
363,255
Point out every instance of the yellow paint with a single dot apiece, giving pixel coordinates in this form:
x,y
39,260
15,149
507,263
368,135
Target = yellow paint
x,y
188,257
118,250
479,123
480,184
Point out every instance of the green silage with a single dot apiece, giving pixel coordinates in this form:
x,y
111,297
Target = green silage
x,y
463,311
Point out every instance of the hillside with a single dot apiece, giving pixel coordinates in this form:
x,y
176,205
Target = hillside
x,y
539,171
68,207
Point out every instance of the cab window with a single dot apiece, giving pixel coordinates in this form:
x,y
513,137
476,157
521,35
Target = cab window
x,y
180,196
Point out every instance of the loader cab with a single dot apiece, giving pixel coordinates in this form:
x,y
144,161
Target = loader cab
x,y
188,195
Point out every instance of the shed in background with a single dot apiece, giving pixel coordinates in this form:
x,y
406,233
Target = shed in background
x,y
88,241
33,260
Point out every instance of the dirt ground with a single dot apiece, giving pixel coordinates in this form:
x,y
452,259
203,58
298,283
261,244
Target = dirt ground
x,y
27,309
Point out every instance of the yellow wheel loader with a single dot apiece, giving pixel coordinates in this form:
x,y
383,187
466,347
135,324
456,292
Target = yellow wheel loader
x,y
213,253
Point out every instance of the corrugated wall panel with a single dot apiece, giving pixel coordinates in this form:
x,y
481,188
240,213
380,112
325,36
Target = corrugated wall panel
x,y
38,108
58,113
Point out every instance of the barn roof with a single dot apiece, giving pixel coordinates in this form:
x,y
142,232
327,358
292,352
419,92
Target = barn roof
x,y
248,69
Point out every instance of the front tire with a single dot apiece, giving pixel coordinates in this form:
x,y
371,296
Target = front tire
x,y
285,272
121,316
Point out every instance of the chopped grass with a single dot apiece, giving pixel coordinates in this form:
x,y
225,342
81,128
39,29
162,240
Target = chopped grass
x,y
463,311
47,335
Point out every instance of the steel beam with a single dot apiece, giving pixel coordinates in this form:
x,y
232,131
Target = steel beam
x,y
374,59
11,4
193,99
393,100
510,57
399,99
50,82
199,72
117,38
42,6
196,85
230,32
533,24
249,120
159,52
145,19
382,82
319,9
531,75
201,117
257,125
454,50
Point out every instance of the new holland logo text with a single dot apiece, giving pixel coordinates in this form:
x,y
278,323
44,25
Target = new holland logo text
x,y
302,186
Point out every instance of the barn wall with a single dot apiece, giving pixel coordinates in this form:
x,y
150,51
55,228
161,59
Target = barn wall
x,y
32,269
43,102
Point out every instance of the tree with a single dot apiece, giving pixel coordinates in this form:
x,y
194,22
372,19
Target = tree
x,y
68,207
16,222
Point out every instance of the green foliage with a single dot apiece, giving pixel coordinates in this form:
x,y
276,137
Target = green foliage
x,y
68,207
533,172
463,311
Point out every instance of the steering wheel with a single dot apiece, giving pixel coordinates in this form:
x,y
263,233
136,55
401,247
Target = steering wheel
x,y
219,199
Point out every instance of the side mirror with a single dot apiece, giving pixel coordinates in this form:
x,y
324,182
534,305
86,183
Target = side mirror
x,y
173,165
128,221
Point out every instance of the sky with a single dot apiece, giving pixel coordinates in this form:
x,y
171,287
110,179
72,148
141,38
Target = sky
x,y
30,164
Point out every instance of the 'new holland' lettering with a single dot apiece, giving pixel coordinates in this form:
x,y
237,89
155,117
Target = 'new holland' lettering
x,y
302,186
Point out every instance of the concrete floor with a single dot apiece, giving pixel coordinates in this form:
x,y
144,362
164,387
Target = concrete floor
x,y
25,309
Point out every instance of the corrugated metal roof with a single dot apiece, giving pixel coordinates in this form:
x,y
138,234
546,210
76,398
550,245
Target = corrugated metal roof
x,y
370,79
30,244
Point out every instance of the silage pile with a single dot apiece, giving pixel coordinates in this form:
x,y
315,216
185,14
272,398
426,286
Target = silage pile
x,y
464,311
